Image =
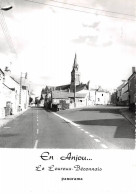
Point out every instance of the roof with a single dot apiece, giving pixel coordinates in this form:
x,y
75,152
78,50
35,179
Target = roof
x,y
121,86
14,79
81,87
2,71
66,95
17,79
59,94
67,87
131,77
12,89
63,87
78,95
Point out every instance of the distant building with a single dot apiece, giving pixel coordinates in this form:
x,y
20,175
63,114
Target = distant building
x,y
126,92
76,93
102,97
132,89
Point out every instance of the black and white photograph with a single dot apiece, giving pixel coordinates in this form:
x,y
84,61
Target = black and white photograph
x,y
67,90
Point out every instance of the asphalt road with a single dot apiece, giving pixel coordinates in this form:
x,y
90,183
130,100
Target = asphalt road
x,y
87,128
106,123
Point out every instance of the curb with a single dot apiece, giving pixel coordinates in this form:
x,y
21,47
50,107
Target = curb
x,y
14,116
126,117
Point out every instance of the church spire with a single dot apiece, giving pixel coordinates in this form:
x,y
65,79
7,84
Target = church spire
x,y
75,65
75,74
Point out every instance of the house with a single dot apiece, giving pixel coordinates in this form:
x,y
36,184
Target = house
x,y
126,92
65,100
10,89
2,102
132,89
122,94
102,97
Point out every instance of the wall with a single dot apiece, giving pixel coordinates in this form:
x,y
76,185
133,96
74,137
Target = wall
x,y
102,98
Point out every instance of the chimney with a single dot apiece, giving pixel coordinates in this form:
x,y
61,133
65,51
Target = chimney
x,y
88,85
7,71
133,69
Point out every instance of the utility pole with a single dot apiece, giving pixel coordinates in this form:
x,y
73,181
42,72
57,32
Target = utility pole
x,y
20,94
20,89
75,89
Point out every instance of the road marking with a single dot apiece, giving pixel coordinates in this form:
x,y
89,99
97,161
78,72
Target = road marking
x,y
97,140
37,131
36,144
91,135
7,127
67,120
104,146
37,124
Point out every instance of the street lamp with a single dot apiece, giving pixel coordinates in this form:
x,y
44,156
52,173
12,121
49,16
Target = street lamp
x,y
5,28
6,8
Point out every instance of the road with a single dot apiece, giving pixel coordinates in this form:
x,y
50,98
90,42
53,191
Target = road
x,y
86,128
106,123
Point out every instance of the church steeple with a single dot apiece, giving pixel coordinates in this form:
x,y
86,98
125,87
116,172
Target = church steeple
x,y
75,65
75,74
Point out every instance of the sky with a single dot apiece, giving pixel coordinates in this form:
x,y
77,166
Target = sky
x,y
42,40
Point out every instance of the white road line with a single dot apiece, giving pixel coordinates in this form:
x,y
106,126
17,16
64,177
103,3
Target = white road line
x,y
37,131
97,140
67,120
91,135
36,144
37,124
72,123
104,146
7,127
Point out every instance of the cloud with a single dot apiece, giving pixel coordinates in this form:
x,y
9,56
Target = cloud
x,y
3,47
129,42
115,6
86,39
46,42
94,25
106,44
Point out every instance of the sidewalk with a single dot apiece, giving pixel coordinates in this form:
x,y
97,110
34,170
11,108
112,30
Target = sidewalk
x,y
129,115
4,121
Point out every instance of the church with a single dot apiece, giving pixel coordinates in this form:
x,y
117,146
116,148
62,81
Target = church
x,y
74,94
76,85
